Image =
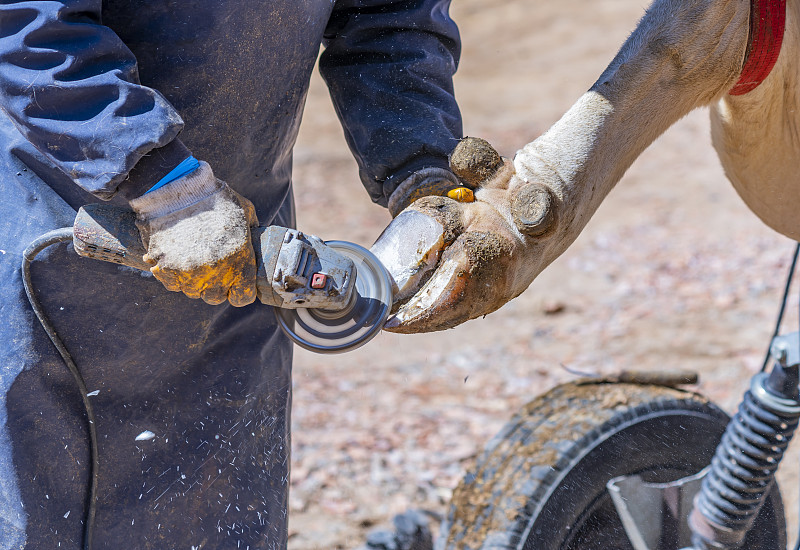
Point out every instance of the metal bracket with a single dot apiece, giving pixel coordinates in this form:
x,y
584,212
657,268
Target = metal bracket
x,y
785,349
655,515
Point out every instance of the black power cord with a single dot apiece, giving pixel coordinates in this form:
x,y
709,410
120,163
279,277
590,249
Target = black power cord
x,y
783,305
50,238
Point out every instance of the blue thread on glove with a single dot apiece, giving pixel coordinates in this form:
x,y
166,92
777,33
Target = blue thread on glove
x,y
186,167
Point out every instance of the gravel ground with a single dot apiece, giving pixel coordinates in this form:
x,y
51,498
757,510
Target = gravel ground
x,y
673,271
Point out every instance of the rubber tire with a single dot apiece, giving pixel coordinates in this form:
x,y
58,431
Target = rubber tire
x,y
540,484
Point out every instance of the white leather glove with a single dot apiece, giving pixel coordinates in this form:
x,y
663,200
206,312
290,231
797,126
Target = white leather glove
x,y
196,231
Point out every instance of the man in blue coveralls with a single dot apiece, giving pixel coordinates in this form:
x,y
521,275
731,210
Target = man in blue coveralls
x,y
185,112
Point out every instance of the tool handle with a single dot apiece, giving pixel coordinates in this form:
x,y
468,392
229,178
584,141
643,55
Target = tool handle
x,y
108,233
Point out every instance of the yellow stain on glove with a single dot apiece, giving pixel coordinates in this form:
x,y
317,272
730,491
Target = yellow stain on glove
x,y
231,278
461,194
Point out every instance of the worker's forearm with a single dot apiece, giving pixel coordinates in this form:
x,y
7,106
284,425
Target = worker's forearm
x,y
394,65
681,56
72,88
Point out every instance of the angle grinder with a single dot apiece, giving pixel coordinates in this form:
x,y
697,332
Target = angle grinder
x,y
329,297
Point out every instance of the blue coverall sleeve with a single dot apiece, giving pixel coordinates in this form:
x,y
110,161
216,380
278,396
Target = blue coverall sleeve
x,y
72,88
389,67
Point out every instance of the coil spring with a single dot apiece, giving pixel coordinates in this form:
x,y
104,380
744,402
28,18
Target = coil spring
x,y
743,468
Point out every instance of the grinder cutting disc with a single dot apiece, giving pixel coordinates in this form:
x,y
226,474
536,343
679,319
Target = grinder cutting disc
x,y
328,331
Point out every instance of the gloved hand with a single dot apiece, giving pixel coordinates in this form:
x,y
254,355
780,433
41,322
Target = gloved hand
x,y
423,183
461,260
196,231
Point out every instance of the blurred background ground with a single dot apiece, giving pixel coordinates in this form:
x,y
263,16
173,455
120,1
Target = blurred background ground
x,y
673,271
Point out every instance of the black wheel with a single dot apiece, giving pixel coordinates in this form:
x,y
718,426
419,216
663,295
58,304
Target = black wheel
x,y
541,482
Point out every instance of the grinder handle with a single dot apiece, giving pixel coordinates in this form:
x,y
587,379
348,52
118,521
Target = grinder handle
x,y
108,233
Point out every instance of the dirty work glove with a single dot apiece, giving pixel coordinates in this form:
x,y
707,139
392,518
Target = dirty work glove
x,y
196,231
454,261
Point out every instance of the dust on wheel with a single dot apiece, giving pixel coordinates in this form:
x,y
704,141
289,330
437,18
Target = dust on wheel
x,y
541,482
